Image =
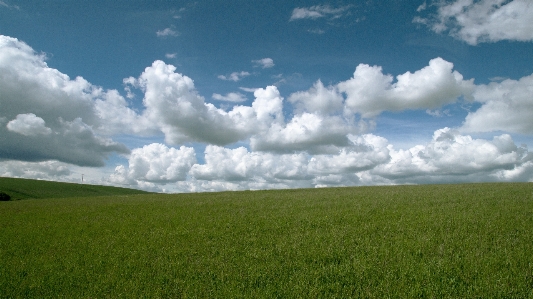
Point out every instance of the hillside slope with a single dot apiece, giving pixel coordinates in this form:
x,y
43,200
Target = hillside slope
x,y
26,189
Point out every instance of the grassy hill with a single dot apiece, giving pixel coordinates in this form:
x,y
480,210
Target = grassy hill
x,y
431,241
26,189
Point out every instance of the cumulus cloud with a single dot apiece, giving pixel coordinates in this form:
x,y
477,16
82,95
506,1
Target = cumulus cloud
x,y
324,117
309,132
239,164
235,76
71,141
173,104
369,91
235,97
155,163
167,32
506,106
264,63
116,117
364,152
46,110
452,157
318,99
483,21
318,11
28,125
521,173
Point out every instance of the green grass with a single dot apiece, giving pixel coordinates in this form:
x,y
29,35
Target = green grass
x,y
25,189
433,241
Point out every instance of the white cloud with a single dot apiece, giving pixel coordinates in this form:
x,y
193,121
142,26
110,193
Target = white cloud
x,y
173,104
7,5
305,13
323,117
116,117
369,91
422,7
336,180
171,55
483,21
318,11
451,157
438,112
521,173
234,97
264,63
167,32
365,152
28,125
129,83
246,89
318,99
235,76
239,164
155,163
51,170
46,110
309,132
70,141
506,106
268,105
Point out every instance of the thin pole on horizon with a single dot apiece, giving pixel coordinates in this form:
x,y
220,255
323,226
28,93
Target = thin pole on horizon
x,y
82,177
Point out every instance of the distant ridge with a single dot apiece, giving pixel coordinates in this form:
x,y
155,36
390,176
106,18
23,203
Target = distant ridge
x,y
36,189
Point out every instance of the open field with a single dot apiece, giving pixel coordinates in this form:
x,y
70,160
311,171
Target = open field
x,y
25,189
433,241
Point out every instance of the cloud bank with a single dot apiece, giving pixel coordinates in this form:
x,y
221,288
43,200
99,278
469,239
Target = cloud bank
x,y
316,137
368,159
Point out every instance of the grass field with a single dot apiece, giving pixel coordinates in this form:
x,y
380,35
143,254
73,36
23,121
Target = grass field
x,y
433,241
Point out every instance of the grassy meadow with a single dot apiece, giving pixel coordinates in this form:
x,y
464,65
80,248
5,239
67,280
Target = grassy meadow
x,y
431,241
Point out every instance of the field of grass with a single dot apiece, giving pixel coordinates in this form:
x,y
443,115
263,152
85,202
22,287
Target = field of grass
x,y
433,241
25,189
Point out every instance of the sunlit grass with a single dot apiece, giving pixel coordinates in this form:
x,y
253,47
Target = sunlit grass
x,y
439,241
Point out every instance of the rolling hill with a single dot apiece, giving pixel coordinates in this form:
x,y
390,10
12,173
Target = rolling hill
x,y
36,189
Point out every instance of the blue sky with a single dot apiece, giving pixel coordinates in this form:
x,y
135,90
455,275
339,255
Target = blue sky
x,y
181,96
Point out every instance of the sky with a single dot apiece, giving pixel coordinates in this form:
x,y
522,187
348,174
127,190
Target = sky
x,y
195,96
